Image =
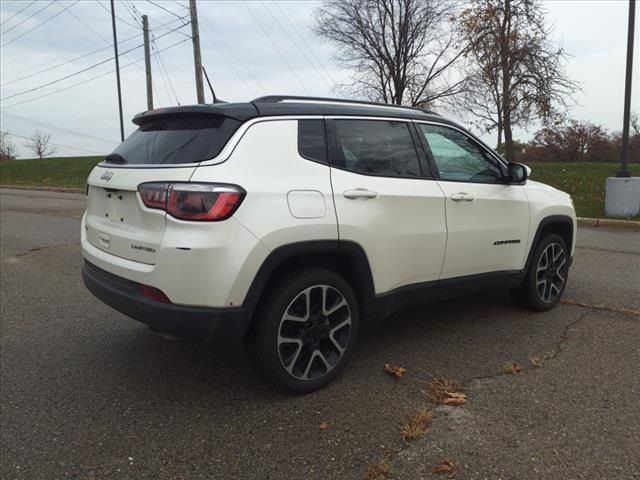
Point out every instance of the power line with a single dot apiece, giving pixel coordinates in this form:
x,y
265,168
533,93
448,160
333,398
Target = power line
x,y
95,32
29,17
277,20
67,62
162,77
41,23
180,4
18,12
90,79
313,53
60,129
81,71
159,60
231,64
276,47
166,9
118,17
57,144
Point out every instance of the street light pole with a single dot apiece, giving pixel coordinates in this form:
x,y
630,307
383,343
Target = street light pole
x,y
624,158
115,47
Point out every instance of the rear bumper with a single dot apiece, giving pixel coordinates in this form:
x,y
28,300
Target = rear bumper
x,y
126,297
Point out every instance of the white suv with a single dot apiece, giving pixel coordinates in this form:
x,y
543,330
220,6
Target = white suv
x,y
291,221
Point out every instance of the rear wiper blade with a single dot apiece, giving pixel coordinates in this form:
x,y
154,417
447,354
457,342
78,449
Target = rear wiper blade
x,y
115,158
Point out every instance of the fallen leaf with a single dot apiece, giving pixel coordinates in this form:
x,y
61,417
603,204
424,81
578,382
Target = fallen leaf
x,y
324,425
511,368
378,471
439,389
536,361
455,398
414,426
446,466
394,370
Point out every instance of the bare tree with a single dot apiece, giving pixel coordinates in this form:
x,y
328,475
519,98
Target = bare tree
x,y
515,73
7,148
40,144
400,51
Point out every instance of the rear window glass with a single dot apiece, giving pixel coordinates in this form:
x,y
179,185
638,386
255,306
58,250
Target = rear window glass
x,y
311,140
177,139
376,147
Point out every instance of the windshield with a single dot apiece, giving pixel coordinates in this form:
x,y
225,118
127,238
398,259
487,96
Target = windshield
x,y
176,139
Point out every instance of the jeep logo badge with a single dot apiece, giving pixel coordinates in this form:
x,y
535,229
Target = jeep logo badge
x,y
106,176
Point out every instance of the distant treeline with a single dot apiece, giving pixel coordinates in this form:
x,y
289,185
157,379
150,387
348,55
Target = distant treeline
x,y
577,141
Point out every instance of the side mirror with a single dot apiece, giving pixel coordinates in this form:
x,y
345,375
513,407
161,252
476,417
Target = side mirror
x,y
517,173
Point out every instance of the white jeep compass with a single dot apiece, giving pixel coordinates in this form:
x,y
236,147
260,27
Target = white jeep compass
x,y
291,221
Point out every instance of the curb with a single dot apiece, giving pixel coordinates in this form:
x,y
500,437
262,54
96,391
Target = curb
x,y
43,189
609,222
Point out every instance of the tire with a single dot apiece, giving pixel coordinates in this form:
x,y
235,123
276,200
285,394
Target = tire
x,y
305,330
546,279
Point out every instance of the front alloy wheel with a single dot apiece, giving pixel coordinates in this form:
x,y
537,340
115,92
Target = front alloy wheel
x,y
551,272
547,275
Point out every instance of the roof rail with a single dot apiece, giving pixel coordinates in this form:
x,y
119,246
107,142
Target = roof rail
x,y
301,99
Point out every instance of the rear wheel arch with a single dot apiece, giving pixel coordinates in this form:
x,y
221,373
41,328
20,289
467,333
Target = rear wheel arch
x,y
347,259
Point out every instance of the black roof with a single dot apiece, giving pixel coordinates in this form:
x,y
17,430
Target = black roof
x,y
292,105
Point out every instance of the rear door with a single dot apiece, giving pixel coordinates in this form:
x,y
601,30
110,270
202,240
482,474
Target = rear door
x,y
162,149
487,219
383,201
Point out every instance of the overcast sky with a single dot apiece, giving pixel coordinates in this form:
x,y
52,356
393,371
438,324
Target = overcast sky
x,y
249,49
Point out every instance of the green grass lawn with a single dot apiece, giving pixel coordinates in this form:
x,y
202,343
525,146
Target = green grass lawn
x,y
585,182
70,172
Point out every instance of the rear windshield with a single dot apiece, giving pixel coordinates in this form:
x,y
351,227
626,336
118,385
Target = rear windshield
x,y
177,139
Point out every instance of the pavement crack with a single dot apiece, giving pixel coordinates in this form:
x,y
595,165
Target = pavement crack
x,y
606,308
564,336
599,249
44,247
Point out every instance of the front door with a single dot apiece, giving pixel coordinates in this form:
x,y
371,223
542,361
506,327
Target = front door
x,y
487,219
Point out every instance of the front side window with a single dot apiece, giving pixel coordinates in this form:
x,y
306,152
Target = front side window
x,y
376,147
458,157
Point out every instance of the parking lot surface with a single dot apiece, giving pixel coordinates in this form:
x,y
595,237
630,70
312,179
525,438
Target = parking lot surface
x,y
87,393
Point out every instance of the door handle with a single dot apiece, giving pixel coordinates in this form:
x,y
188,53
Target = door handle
x,y
360,193
463,197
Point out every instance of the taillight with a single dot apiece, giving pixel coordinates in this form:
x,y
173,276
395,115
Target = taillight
x,y
210,202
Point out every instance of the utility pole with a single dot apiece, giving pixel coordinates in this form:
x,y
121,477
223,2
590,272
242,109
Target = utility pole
x,y
195,36
147,61
115,47
624,160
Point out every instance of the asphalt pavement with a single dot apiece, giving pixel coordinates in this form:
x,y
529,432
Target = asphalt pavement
x,y
88,394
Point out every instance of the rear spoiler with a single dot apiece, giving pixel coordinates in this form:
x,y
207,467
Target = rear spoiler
x,y
236,111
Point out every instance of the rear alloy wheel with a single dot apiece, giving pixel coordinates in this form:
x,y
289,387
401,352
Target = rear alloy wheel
x,y
314,332
546,278
305,331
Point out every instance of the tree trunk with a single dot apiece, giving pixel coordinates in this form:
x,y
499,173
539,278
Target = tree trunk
x,y
509,152
499,146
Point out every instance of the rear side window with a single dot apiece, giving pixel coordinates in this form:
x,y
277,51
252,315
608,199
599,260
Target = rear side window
x,y
177,139
312,143
376,147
